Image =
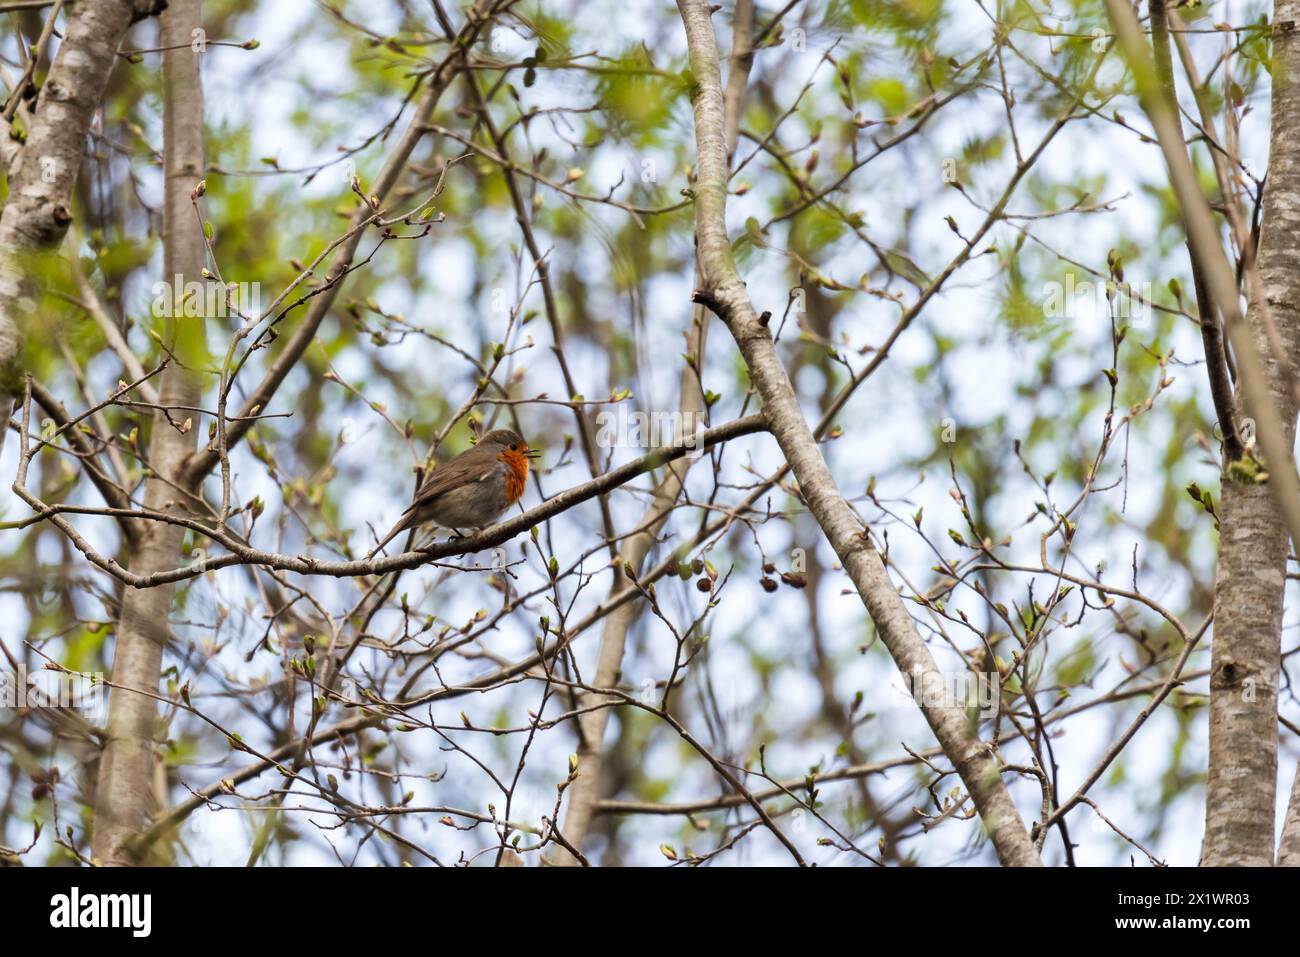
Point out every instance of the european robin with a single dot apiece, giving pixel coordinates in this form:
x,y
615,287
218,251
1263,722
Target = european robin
x,y
472,489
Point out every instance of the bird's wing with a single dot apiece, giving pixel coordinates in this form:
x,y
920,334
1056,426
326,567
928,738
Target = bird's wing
x,y
443,479
452,475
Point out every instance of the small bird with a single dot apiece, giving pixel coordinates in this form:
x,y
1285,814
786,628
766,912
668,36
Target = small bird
x,y
472,489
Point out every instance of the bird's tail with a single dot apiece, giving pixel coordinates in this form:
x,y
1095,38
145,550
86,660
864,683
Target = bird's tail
x,y
402,525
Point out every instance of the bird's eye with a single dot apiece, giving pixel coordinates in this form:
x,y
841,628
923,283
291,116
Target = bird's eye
x,y
514,447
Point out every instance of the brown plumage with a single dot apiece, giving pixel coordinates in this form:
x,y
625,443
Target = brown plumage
x,y
471,490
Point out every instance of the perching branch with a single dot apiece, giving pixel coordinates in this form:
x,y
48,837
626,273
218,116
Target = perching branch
x,y
241,553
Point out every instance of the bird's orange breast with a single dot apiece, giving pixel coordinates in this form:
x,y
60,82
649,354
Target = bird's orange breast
x,y
516,473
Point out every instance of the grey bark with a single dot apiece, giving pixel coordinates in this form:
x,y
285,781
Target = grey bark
x,y
125,798
1250,580
725,292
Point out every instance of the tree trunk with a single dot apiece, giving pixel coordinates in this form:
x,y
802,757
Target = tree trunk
x,y
1240,799
124,801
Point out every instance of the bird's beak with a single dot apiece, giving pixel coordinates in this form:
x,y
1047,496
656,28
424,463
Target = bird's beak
x,y
532,453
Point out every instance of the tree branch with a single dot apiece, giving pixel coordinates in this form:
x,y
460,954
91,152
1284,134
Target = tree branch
x,y
241,553
725,292
1216,360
